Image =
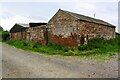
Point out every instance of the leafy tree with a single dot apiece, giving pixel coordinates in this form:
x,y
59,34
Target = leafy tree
x,y
1,29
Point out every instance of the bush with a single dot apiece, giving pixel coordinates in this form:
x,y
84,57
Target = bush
x,y
82,48
96,43
49,44
5,35
65,49
55,46
24,44
102,44
35,45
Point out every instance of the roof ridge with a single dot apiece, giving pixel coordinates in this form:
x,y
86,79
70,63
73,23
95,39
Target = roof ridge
x,y
21,23
87,18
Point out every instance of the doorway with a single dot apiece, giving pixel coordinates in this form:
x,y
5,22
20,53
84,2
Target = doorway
x,y
82,40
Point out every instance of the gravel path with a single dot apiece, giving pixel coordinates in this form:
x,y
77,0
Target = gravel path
x,y
18,63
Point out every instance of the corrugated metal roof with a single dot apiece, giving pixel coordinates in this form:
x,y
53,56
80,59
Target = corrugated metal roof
x,y
18,27
23,24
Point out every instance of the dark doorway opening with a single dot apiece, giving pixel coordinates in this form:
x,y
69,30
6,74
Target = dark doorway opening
x,y
82,40
46,35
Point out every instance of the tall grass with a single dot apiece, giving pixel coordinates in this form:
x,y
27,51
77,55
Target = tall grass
x,y
49,48
97,47
102,44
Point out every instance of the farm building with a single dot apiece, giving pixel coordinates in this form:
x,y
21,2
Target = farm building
x,y
68,28
18,31
37,32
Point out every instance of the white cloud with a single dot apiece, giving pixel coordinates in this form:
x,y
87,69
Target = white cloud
x,y
8,23
9,17
58,0
86,6
104,11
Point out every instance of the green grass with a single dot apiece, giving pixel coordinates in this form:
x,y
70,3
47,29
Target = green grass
x,y
97,48
111,45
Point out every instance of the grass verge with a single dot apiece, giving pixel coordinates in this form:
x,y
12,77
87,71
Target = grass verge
x,y
97,48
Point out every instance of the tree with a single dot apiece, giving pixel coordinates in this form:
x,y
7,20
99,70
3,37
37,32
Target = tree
x,y
1,29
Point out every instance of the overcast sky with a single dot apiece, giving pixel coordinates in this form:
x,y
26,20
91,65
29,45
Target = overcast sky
x,y
42,11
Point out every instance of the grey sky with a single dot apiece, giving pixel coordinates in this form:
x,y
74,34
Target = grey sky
x,y
25,12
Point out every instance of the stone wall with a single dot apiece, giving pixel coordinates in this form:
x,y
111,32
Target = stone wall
x,y
90,30
37,34
24,34
61,29
65,29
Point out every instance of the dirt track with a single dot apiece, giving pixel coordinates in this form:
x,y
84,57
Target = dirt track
x,y
18,63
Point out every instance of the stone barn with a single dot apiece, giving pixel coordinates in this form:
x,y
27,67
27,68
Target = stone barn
x,y
18,31
37,33
68,28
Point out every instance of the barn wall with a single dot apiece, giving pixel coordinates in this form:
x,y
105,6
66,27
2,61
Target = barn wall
x,y
61,29
90,30
37,34
24,35
16,36
64,29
